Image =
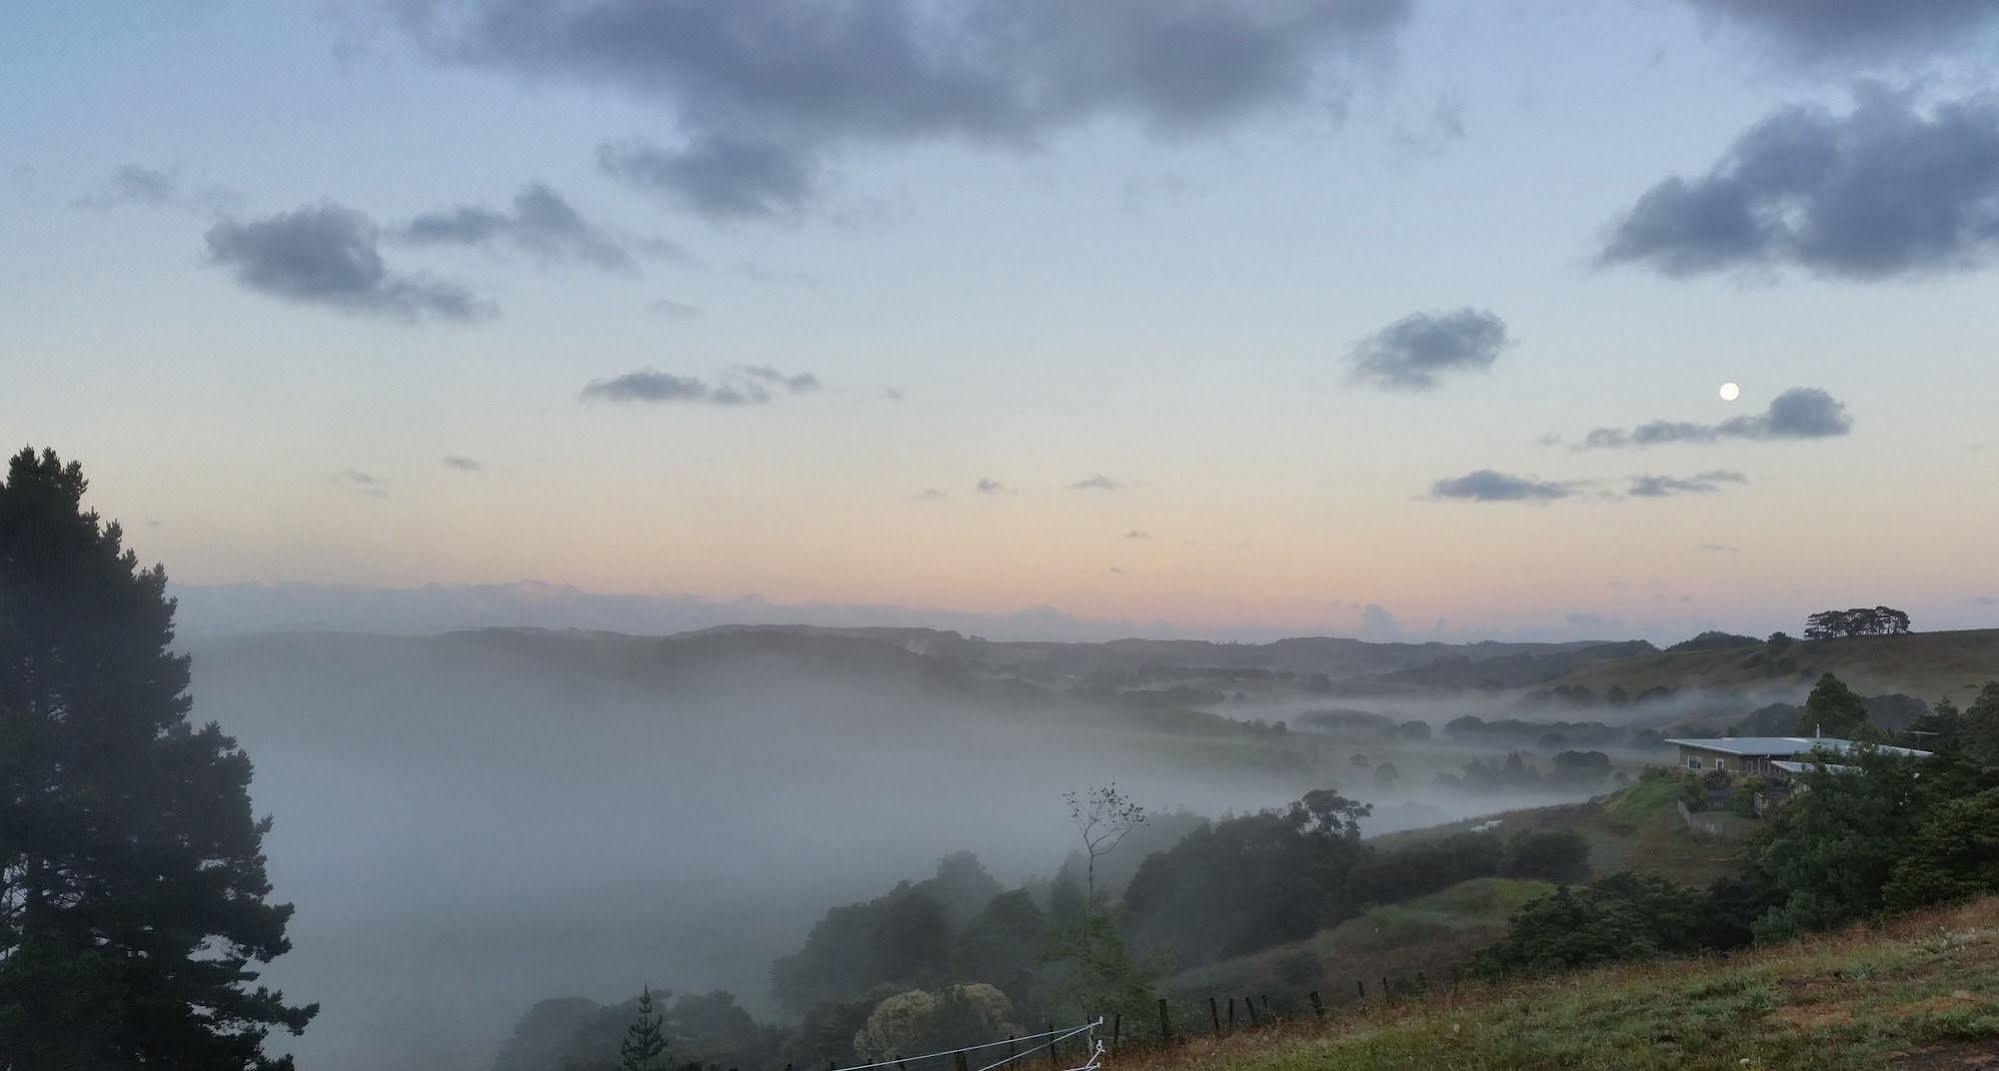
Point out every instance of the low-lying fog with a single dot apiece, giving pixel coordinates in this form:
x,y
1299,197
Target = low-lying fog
x,y
468,825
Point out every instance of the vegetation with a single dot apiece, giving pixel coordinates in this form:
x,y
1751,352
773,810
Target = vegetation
x,y
1919,992
1861,621
133,894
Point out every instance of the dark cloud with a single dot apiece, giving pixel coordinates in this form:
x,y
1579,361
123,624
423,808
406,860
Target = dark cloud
x,y
989,486
1097,482
1887,189
1137,533
763,87
1812,31
798,383
673,310
1705,483
462,463
1485,485
540,223
1410,353
326,254
891,394
718,175
647,385
1798,413
738,387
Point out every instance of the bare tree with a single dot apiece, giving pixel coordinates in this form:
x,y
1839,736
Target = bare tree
x,y
1103,817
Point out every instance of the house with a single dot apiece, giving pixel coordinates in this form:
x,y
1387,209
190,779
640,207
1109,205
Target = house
x,y
1766,754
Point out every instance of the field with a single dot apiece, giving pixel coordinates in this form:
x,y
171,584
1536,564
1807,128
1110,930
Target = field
x,y
1924,664
1921,992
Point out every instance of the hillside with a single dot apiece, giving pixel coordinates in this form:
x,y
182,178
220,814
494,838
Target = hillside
x,y
1923,664
1918,994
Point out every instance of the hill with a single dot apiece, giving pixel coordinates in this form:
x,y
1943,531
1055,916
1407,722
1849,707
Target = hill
x,y
1916,994
1923,664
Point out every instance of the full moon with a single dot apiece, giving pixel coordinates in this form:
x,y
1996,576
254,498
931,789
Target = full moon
x,y
1730,392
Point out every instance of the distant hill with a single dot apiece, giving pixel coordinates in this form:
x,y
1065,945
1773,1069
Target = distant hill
x,y
1923,664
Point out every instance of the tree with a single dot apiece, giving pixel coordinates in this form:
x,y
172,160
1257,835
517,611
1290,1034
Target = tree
x,y
1859,621
1103,817
644,1047
1385,775
1832,709
132,879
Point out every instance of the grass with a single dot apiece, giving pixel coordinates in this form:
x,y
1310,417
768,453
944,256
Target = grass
x,y
1922,664
1919,992
1434,934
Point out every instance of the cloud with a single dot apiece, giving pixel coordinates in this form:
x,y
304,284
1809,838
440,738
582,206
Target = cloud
x,y
800,383
1705,483
763,88
1138,533
673,310
462,463
1885,190
364,483
1485,485
1376,623
1720,548
134,184
742,386
932,494
1798,413
1982,600
891,394
541,223
1814,31
1412,352
989,486
1097,482
326,254
717,175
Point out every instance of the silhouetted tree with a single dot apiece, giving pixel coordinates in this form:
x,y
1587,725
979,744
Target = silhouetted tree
x,y
132,880
1103,817
644,1047
1832,709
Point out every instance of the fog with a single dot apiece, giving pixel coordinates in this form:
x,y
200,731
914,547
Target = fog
x,y
470,823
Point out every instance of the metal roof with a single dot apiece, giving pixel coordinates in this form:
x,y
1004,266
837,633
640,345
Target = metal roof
x,y
1770,746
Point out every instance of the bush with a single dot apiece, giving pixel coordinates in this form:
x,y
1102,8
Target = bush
x,y
1627,916
1424,867
1548,854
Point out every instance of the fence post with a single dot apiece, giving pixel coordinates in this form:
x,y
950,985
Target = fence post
x,y
1422,983
1215,1015
1117,1027
1265,998
1318,1007
1231,1015
1385,991
1249,1006
958,1058
1165,1022
899,1065
1052,1043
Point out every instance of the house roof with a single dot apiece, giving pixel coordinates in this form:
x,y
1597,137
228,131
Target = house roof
x,y
1770,746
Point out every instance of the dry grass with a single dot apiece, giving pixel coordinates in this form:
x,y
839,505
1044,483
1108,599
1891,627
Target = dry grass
x,y
1919,992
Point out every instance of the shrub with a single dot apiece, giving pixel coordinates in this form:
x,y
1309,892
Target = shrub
x,y
1548,854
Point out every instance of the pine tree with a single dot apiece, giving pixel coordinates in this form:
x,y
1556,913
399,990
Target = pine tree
x,y
132,881
644,1047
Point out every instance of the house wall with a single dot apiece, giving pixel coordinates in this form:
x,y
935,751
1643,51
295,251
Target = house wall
x,y
1711,760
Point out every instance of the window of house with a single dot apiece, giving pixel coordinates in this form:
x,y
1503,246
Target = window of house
x,y
1693,762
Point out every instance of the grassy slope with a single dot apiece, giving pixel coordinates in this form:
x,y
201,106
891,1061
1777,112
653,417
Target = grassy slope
x,y
1924,664
1920,992
1434,934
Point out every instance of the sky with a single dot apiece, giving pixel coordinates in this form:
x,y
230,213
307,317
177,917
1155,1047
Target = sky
x,y
1398,318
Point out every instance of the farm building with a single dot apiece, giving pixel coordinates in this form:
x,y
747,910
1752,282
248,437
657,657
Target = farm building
x,y
1761,754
